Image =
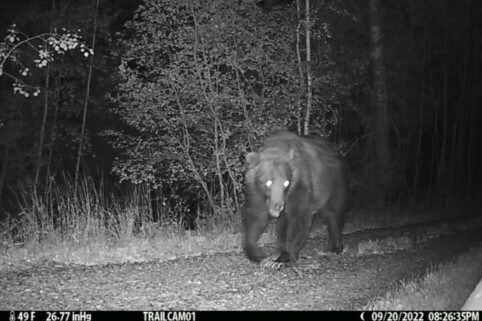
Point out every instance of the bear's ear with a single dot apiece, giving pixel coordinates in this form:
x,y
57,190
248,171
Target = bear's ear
x,y
252,159
291,154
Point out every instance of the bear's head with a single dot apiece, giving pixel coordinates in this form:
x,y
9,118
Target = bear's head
x,y
271,171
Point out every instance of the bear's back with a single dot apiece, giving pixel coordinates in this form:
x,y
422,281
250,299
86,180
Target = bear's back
x,y
307,145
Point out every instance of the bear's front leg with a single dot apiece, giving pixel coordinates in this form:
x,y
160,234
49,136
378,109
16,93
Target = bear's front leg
x,y
298,233
254,225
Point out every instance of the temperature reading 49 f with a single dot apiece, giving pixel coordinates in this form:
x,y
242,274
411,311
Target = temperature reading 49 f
x,y
26,316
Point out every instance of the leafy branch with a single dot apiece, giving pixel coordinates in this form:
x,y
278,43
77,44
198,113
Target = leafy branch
x,y
45,47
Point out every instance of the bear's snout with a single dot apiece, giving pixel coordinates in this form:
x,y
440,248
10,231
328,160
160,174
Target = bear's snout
x,y
276,208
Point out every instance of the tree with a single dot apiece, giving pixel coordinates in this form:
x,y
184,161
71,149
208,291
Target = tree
x,y
87,97
202,83
380,100
309,76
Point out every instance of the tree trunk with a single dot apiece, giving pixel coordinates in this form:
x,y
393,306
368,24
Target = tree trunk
x,y
86,102
4,170
198,45
471,149
217,153
300,69
441,168
187,150
42,129
433,151
380,101
46,107
420,135
309,79
231,175
53,131
458,134
243,105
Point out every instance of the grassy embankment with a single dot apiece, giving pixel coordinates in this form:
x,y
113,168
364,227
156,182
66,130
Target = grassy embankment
x,y
446,287
87,227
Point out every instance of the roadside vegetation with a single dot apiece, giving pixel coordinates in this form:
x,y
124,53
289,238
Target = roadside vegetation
x,y
445,287
89,226
393,244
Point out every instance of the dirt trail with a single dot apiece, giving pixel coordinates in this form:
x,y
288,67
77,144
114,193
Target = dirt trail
x,y
229,281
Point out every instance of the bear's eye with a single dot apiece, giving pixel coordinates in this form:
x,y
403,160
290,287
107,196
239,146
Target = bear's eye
x,y
268,183
286,183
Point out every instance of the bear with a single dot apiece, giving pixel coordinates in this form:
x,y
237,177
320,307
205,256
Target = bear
x,y
291,178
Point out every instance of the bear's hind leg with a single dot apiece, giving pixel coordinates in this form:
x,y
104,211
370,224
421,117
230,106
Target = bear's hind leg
x,y
334,222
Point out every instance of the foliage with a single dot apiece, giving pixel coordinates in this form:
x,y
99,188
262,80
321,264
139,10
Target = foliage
x,y
199,84
62,99
21,51
202,84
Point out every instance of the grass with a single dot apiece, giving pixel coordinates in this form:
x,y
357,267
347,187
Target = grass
x,y
388,245
397,216
393,244
86,226
444,288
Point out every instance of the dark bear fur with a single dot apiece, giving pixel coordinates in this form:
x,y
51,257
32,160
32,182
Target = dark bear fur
x,y
292,178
